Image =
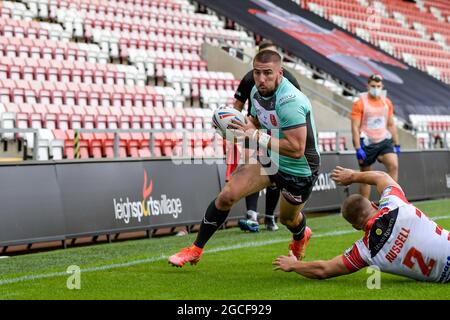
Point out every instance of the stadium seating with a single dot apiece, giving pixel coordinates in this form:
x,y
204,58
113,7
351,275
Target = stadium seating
x,y
122,64
330,142
416,33
50,83
63,120
433,131
409,32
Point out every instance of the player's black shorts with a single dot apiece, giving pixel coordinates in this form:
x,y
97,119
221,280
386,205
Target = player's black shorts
x,y
296,190
376,149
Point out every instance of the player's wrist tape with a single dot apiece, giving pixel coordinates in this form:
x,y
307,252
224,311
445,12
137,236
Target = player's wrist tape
x,y
255,135
264,140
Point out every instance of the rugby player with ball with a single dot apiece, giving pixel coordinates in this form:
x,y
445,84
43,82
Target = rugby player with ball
x,y
282,125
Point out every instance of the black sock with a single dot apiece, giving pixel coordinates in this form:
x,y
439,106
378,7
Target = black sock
x,y
299,231
272,195
251,201
212,220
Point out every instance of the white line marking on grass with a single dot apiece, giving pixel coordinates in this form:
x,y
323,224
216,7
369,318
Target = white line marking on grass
x,y
92,269
267,242
163,257
440,218
160,258
432,200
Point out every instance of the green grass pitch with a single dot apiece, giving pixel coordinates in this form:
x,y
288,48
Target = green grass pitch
x,y
235,265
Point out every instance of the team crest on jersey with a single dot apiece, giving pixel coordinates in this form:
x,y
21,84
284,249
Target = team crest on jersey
x,y
273,120
381,231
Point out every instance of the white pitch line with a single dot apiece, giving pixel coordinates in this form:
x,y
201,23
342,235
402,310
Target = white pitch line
x,y
440,218
267,242
160,258
163,257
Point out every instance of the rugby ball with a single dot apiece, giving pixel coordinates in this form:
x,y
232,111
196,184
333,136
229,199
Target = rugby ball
x,y
222,118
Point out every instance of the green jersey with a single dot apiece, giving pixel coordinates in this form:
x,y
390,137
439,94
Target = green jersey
x,y
287,109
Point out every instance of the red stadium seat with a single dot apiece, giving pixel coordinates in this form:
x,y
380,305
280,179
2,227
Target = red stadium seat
x,y
49,121
133,148
144,148
95,148
62,121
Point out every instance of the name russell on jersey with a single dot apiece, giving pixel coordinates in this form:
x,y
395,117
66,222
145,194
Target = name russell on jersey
x,y
398,245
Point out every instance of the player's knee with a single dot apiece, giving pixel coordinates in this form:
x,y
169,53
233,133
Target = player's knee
x,y
392,167
227,198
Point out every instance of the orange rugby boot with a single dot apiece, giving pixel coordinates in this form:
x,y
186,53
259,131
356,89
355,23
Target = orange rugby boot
x,y
190,254
298,247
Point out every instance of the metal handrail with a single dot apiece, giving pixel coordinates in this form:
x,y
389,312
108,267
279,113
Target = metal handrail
x,y
185,133
444,135
118,131
35,133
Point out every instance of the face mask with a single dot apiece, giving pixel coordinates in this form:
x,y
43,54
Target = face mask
x,y
375,92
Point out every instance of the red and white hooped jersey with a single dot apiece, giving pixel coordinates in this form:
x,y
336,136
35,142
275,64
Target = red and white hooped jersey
x,y
402,240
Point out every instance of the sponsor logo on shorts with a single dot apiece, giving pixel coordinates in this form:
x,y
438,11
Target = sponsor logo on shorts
x,y
289,196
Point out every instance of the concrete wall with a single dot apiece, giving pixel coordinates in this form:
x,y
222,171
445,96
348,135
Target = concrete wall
x,y
219,60
322,118
407,140
317,91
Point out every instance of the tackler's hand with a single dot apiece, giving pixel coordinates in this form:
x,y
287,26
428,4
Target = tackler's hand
x,y
342,176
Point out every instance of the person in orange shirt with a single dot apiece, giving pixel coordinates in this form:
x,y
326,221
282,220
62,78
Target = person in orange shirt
x,y
374,133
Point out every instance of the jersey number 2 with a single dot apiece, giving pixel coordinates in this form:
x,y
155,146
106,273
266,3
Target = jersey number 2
x,y
424,267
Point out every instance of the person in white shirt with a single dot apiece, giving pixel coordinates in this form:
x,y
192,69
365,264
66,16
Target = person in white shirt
x,y
398,239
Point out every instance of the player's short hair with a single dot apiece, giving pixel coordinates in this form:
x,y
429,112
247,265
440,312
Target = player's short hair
x,y
355,209
265,44
267,56
375,77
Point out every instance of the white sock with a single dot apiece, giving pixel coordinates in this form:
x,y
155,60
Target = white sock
x,y
252,215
